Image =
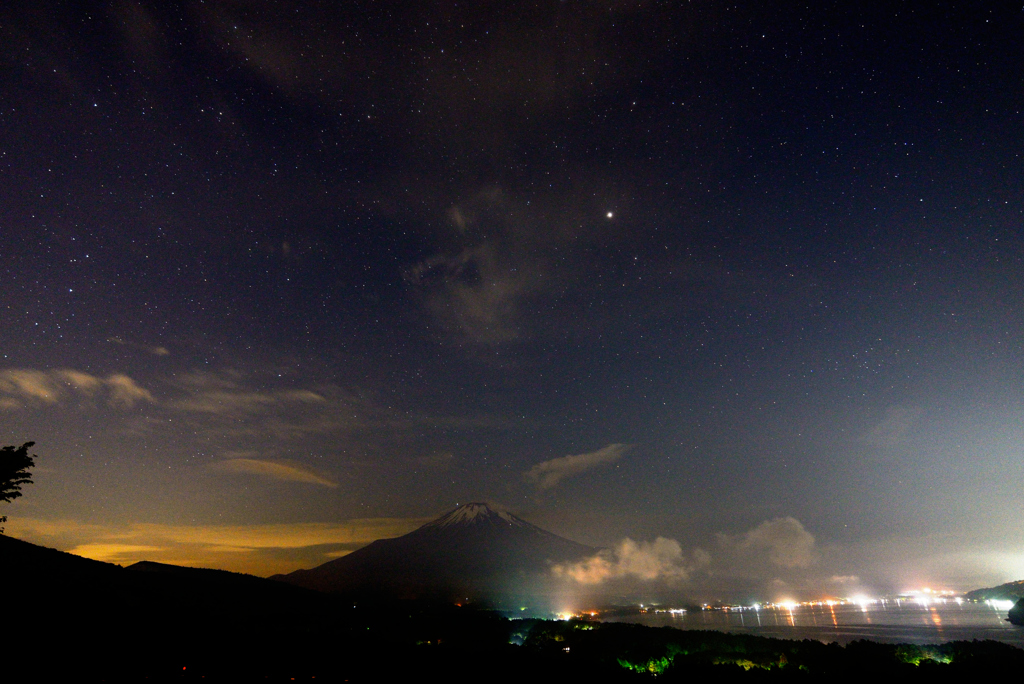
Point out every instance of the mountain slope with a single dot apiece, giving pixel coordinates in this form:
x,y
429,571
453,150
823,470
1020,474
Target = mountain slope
x,y
74,619
473,551
1011,591
41,580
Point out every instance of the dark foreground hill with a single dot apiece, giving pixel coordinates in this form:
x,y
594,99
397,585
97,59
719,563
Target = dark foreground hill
x,y
473,552
72,616
72,619
41,582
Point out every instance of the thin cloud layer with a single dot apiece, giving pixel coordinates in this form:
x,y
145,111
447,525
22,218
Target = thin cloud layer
x,y
287,471
485,290
549,473
893,429
256,549
241,406
154,350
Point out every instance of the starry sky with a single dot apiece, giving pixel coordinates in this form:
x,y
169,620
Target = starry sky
x,y
281,278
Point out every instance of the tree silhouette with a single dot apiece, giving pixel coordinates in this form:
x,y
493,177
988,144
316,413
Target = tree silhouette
x,y
14,466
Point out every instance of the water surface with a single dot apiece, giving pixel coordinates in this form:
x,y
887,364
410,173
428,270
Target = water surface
x,y
888,621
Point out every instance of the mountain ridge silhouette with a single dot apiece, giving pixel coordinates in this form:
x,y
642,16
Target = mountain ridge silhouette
x,y
475,552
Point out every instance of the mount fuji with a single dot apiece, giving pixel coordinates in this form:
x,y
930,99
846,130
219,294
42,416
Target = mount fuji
x,y
473,552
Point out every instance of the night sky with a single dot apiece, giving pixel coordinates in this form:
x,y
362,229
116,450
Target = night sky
x,y
281,278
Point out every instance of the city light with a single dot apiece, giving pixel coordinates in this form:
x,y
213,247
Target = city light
x,y
925,598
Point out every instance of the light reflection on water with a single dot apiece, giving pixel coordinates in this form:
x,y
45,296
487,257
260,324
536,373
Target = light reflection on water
x,y
887,621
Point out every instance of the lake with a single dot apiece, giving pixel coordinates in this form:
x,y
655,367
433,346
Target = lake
x,y
890,621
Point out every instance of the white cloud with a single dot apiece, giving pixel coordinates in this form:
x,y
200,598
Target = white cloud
x,y
549,473
761,554
661,559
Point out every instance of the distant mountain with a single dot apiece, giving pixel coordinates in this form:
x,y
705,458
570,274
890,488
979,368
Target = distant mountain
x,y
1011,591
472,552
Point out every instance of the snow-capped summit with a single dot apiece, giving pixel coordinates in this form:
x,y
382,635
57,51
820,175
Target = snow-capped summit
x,y
475,513
476,550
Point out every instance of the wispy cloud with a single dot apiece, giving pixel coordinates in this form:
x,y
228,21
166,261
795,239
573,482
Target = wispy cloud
x,y
243,405
21,387
248,406
287,471
475,293
222,394
549,473
894,427
154,350
481,291
126,392
236,395
82,382
30,385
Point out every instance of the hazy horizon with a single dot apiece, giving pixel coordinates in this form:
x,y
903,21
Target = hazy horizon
x,y
777,561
